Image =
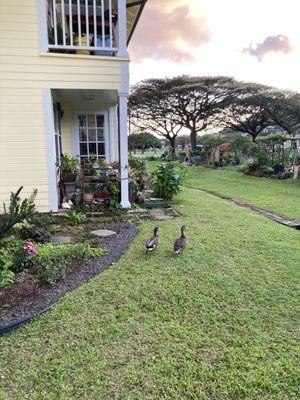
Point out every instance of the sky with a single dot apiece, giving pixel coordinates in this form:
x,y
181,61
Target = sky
x,y
250,40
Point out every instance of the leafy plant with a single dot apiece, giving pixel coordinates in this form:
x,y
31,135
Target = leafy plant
x,y
70,163
52,261
74,218
6,274
18,210
167,180
8,248
138,165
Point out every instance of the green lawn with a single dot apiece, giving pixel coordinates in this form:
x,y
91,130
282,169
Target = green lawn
x,y
282,197
218,323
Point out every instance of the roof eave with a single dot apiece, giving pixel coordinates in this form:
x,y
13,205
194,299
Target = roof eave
x,y
142,4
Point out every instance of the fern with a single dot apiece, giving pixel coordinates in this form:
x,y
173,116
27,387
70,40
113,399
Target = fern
x,y
19,210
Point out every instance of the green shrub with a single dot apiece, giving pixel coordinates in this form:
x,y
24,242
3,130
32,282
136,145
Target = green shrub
x,y
6,274
138,165
74,217
8,248
52,260
167,180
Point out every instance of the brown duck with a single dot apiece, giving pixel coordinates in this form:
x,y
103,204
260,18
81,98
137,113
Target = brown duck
x,y
153,242
180,243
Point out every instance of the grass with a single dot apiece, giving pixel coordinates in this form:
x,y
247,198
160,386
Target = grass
x,y
219,322
281,197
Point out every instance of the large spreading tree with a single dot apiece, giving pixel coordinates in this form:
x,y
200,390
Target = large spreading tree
x,y
151,108
247,113
283,108
198,100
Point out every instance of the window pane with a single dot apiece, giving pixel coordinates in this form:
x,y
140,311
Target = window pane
x,y
100,133
93,148
101,149
92,135
82,135
100,121
91,120
83,149
82,120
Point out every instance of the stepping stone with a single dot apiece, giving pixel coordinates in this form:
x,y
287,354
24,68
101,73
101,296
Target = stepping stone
x,y
102,233
61,239
136,211
158,214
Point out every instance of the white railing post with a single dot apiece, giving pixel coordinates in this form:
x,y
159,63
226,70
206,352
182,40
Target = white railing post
x,y
122,29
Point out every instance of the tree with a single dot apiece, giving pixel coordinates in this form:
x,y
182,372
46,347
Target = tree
x,y
248,112
197,101
284,108
143,141
151,108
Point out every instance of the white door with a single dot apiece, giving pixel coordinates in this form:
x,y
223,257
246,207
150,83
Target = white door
x,y
91,136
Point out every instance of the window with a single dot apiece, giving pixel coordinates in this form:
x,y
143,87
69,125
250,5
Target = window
x,y
91,135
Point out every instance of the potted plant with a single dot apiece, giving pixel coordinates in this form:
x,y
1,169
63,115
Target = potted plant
x,y
69,167
88,193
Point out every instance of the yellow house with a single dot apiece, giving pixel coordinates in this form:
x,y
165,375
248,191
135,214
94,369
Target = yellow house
x,y
64,84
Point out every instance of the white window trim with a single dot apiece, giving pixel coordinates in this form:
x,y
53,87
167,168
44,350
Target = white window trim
x,y
75,130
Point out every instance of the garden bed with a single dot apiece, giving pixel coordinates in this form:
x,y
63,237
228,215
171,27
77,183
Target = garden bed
x,y
23,300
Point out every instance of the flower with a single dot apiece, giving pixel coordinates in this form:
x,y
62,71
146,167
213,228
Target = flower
x,y
28,246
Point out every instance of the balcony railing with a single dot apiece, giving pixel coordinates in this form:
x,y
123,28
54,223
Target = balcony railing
x,y
83,26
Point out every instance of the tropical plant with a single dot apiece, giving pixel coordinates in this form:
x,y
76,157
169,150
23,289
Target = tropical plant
x,y
18,210
69,163
74,217
167,180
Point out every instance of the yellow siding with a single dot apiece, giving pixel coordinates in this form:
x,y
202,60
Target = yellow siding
x,y
24,73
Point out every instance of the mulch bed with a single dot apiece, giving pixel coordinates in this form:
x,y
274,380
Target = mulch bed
x,y
24,300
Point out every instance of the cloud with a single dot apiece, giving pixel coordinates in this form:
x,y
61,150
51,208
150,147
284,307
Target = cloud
x,y
169,31
271,44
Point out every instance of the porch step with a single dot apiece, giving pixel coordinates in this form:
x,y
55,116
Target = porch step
x,y
155,203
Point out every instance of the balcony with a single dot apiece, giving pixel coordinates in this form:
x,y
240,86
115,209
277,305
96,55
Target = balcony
x,y
86,27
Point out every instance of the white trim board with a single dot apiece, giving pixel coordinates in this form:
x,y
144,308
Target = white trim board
x,y
50,148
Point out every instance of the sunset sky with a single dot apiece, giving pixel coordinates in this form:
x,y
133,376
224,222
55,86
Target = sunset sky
x,y
257,40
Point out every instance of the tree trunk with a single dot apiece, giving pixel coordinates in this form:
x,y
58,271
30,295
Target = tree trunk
x,y
172,145
193,137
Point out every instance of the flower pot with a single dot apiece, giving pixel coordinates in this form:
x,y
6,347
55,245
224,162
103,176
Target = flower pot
x,y
69,177
88,197
84,42
88,179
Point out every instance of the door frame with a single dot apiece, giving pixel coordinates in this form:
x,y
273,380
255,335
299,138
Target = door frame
x,y
75,130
